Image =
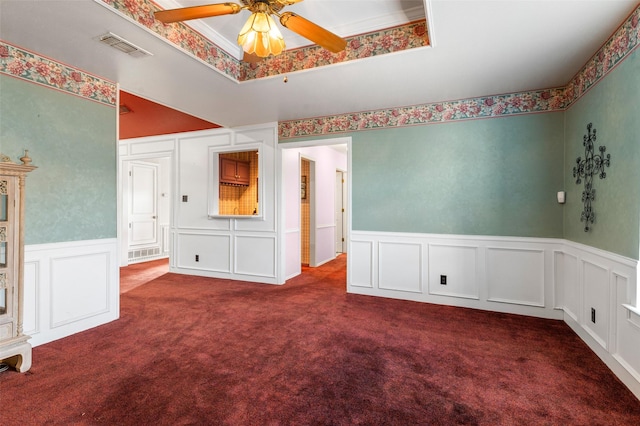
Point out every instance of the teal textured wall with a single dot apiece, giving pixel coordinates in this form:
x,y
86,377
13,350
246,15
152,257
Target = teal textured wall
x,y
71,196
613,106
482,177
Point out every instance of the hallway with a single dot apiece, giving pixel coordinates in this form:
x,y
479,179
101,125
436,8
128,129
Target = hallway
x,y
137,274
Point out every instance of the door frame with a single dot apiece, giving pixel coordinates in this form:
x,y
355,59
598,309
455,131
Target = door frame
x,y
123,194
311,195
282,233
341,231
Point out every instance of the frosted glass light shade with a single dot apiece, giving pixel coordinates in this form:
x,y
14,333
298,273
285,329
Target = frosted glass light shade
x,y
261,36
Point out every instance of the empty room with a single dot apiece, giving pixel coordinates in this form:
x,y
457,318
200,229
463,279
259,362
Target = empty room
x,y
320,212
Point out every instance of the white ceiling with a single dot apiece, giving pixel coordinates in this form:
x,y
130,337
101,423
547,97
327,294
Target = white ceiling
x,y
479,48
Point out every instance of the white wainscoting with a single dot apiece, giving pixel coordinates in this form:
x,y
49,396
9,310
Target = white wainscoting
x,y
605,282
245,249
522,282
204,252
627,342
595,303
360,265
503,274
292,248
325,243
400,266
593,291
460,266
567,294
226,256
257,266
70,287
164,229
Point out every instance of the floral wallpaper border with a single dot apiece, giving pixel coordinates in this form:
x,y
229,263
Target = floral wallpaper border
x,y
389,40
619,46
623,42
20,63
395,39
466,109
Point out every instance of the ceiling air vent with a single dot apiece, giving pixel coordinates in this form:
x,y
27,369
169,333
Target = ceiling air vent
x,y
123,45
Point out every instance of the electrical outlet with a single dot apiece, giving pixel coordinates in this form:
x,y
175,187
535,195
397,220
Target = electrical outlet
x,y
185,198
593,315
443,279
197,258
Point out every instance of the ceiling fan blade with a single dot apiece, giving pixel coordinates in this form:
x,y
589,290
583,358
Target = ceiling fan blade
x,y
196,12
313,32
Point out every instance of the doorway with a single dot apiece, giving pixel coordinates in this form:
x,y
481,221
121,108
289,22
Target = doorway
x,y
313,189
307,212
143,206
146,209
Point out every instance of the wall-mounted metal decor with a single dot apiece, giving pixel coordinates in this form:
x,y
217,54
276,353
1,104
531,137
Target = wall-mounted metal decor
x,y
592,164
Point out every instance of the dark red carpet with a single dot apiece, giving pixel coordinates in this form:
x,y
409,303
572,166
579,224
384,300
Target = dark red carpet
x,y
137,274
200,351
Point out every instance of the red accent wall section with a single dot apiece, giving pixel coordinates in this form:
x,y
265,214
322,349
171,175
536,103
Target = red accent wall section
x,y
147,118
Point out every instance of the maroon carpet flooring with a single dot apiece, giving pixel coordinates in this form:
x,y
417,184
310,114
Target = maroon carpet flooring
x,y
190,350
137,274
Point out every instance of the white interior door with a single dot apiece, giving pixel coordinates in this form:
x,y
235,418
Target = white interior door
x,y
143,204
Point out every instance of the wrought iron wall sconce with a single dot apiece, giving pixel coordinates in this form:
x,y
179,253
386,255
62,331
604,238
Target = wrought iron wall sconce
x,y
592,164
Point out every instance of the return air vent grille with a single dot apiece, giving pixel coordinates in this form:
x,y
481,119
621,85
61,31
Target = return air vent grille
x,y
123,45
144,254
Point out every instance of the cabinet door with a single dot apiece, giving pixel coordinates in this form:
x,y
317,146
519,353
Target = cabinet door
x,y
242,171
227,170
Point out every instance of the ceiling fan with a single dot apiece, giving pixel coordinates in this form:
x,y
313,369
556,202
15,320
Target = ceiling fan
x,y
260,36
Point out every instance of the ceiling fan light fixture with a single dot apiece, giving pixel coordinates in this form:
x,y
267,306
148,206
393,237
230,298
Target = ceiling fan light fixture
x,y
261,36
